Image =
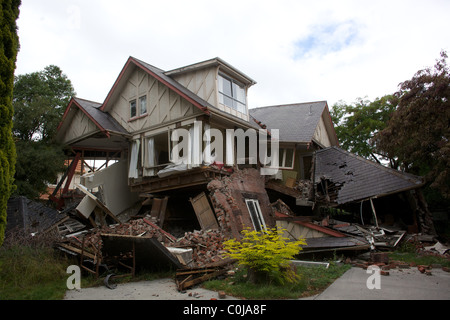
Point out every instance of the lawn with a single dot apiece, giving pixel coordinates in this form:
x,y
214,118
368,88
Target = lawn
x,y
31,273
313,280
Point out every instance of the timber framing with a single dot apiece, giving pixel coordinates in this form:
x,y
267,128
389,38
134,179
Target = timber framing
x,y
193,177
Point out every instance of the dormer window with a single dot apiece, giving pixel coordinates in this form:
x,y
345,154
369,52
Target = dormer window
x,y
232,94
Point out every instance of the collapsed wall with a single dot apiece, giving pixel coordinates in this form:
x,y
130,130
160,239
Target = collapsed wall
x,y
233,198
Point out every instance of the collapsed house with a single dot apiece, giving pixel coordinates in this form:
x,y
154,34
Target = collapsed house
x,y
198,198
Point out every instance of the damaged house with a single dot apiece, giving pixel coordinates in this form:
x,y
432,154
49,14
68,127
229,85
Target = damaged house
x,y
134,126
168,171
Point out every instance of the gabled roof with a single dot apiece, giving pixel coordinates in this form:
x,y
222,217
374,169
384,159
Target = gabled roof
x,y
295,122
160,76
103,120
356,178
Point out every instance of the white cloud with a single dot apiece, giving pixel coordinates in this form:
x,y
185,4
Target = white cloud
x,y
296,50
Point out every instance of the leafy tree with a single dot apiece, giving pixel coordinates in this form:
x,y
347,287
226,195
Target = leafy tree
x,y
9,45
357,123
39,100
418,132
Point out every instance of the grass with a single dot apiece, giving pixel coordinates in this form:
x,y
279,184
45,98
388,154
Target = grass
x,y
30,273
35,271
31,269
407,252
312,281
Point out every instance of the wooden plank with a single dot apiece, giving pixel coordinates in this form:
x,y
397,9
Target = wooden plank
x,y
193,282
76,250
202,209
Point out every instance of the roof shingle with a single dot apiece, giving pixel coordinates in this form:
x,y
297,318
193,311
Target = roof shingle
x,y
358,178
295,122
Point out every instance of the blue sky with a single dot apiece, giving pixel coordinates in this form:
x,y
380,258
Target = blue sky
x,y
297,51
326,38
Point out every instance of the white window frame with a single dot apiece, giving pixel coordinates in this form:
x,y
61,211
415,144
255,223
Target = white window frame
x,y
283,153
258,221
138,106
236,103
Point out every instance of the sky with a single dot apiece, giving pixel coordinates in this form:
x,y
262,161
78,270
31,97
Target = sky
x,y
296,51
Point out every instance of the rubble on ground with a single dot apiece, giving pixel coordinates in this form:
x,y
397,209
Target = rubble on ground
x,y
199,255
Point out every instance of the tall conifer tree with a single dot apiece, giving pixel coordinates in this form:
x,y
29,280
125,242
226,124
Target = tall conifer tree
x,y
9,46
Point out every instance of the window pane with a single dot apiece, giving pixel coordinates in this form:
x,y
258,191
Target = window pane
x,y
133,108
238,93
289,162
240,107
226,87
143,104
254,214
228,101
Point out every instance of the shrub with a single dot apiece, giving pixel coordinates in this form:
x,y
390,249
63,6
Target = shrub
x,y
265,254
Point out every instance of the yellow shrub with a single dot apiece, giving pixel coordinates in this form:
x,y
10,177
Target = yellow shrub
x,y
265,252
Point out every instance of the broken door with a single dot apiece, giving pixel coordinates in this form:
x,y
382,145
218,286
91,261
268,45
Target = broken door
x,y
203,211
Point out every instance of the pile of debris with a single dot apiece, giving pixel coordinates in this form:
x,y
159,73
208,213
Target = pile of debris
x,y
207,246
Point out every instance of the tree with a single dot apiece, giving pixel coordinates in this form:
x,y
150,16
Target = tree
x,y
39,100
9,45
357,123
418,132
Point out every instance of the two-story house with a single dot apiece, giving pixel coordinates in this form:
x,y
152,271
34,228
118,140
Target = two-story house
x,y
174,132
136,122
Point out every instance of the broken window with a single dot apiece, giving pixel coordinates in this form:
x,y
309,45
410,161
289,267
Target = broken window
x,y
255,213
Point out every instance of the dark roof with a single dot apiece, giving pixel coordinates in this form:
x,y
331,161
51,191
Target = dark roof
x,y
356,178
31,216
102,119
295,122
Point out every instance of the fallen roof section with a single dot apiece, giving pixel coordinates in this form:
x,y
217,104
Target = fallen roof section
x,y
32,216
351,178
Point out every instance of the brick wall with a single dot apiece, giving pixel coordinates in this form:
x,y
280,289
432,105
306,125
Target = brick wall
x,y
228,196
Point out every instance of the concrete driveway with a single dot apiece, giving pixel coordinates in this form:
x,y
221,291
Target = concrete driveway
x,y
162,289
400,284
